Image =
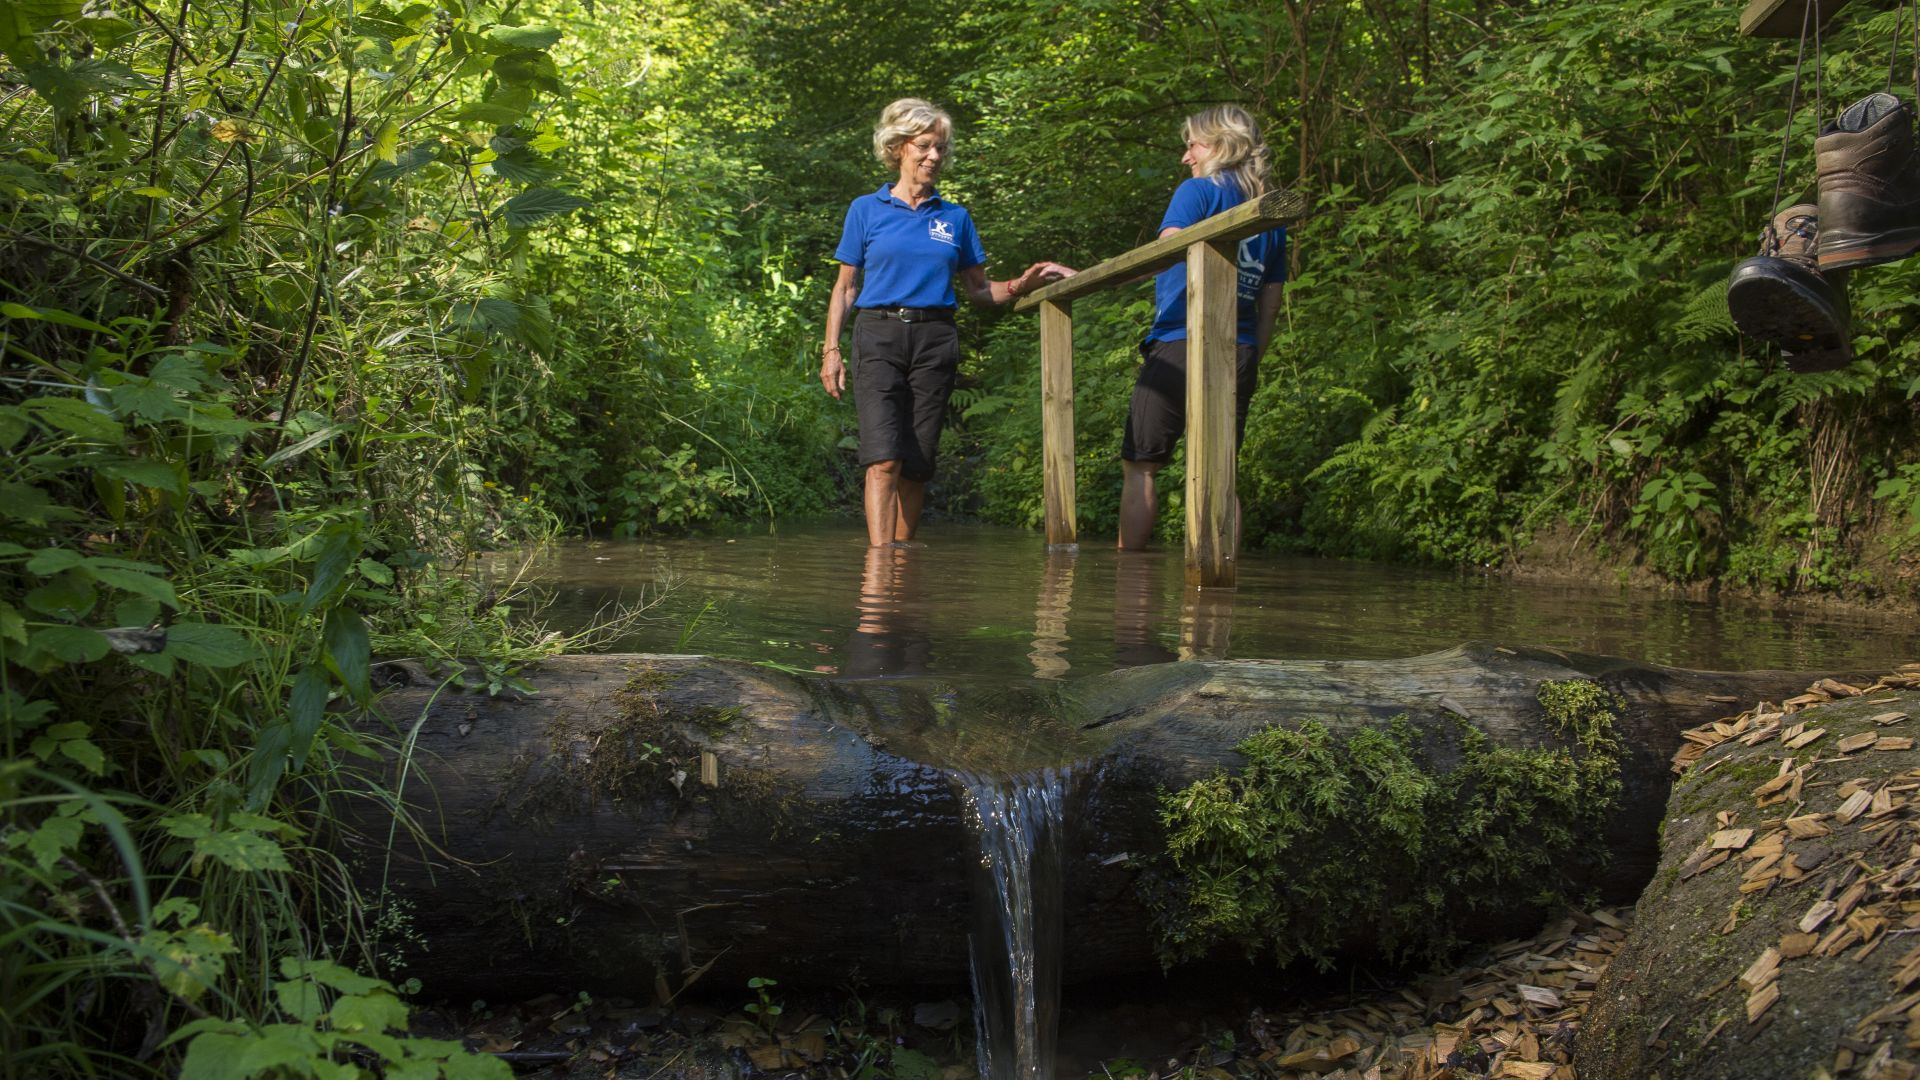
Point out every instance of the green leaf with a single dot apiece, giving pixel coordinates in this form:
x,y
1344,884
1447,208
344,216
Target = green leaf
x,y
214,1055
300,999
268,762
52,315
51,561
348,651
137,611
340,548
386,142
156,589
69,596
327,973
13,625
71,644
30,505
529,68
187,826
13,426
76,417
488,112
55,837
306,711
523,167
157,475
191,960
466,1066
86,754
244,851
535,205
372,1012
208,645
514,38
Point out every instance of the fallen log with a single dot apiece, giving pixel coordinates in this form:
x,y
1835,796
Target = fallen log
x,y
1781,934
645,822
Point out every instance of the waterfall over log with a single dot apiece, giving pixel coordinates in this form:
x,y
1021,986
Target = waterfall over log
x,y
646,822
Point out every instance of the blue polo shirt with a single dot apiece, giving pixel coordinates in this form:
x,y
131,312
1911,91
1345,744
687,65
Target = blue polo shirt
x,y
1263,258
907,256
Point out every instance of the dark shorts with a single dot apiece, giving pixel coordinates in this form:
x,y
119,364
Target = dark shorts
x,y
903,373
1158,415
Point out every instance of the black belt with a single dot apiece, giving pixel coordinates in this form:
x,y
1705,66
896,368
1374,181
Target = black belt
x,y
911,314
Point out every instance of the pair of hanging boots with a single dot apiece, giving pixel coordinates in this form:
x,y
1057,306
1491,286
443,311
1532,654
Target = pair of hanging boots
x,y
1793,294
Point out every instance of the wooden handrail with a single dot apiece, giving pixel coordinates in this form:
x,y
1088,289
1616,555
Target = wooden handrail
x,y
1278,207
1210,250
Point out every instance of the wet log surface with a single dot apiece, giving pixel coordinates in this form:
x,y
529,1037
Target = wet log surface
x,y
644,823
1781,933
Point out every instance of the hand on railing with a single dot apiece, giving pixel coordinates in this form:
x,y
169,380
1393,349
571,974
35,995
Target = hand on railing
x,y
1040,273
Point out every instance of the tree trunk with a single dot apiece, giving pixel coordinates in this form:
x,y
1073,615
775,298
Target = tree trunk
x,y
643,821
1795,954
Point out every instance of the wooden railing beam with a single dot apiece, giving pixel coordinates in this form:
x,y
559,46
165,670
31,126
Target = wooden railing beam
x,y
1273,209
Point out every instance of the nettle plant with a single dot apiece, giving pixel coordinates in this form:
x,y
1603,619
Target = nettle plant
x,y
253,247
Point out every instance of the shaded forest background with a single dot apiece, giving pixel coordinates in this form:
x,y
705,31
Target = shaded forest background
x,y
303,300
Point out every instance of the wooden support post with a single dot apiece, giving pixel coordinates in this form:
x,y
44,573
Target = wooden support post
x,y
1212,328
1056,419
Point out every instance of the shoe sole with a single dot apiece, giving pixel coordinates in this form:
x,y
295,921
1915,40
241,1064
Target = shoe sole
x,y
1885,247
1781,311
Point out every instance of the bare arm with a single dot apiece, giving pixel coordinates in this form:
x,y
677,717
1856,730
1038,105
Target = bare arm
x,y
973,282
833,370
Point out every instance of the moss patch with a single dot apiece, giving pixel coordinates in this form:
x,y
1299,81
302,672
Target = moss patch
x,y
1320,837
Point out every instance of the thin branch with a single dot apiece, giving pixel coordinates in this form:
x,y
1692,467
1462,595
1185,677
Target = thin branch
x,y
80,256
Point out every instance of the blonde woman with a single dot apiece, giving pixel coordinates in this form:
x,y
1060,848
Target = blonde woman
x,y
1229,166
900,251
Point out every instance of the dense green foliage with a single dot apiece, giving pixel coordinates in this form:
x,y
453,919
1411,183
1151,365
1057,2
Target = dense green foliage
x,y
304,301
1412,837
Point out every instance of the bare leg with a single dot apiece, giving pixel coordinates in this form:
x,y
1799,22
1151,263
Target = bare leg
x,y
911,496
1139,504
883,502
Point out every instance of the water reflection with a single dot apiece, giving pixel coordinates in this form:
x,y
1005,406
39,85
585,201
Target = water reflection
x,y
1138,587
1206,624
1050,613
892,635
994,602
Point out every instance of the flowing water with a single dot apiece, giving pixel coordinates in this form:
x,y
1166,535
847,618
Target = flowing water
x,y
995,611
1015,943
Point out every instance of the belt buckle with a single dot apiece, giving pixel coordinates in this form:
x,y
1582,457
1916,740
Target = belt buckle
x,y
910,315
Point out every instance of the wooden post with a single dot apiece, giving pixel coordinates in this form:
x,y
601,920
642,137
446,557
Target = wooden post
x,y
1212,329
1056,419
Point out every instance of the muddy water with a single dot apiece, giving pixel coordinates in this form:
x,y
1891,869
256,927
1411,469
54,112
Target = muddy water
x,y
982,601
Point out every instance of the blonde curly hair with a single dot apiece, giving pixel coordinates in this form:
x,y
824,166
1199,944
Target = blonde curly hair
x,y
902,120
1237,149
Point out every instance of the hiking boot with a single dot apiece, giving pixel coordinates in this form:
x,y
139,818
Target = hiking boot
x,y
1869,178
1780,295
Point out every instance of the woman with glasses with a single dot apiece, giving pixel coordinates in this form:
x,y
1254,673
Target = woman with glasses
x,y
900,251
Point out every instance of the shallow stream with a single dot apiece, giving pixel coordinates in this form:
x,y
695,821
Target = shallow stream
x,y
994,603
997,611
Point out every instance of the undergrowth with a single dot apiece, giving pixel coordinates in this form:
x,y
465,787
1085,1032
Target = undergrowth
x,y
1394,836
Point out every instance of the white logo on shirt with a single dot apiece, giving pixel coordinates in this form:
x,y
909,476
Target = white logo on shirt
x,y
941,231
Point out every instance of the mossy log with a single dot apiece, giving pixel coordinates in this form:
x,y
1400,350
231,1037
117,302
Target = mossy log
x,y
1779,936
644,822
